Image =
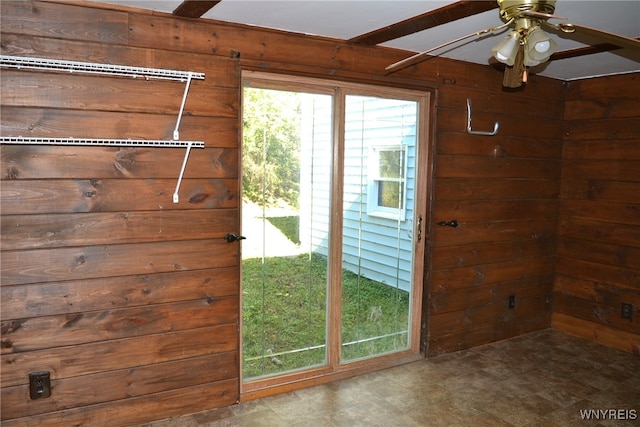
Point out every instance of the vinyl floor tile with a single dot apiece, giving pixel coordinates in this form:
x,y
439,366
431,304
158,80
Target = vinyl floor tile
x,y
542,379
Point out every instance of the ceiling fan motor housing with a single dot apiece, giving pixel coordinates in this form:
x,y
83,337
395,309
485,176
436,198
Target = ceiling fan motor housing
x,y
511,9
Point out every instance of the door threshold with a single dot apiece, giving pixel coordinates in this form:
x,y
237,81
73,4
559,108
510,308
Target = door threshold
x,y
296,381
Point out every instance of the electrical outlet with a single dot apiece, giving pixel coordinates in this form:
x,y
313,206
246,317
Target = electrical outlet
x,y
627,311
39,385
512,301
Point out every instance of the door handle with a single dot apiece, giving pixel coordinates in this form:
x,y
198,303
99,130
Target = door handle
x,y
453,223
230,237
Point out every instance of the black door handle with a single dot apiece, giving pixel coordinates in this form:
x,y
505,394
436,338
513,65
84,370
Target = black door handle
x,y
453,223
230,237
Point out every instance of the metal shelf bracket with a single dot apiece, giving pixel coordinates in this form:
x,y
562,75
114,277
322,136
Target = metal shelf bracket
x,y
19,140
176,133
476,132
44,64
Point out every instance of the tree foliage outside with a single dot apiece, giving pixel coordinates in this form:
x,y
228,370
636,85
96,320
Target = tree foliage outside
x,y
271,145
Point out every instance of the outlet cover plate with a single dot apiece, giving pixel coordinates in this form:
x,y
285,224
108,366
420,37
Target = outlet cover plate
x,y
39,385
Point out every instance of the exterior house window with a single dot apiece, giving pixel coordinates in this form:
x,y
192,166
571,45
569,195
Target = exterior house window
x,y
387,181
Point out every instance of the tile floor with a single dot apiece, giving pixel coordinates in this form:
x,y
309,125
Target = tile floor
x,y
542,379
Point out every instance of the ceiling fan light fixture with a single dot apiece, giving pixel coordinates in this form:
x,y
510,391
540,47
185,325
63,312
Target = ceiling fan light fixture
x,y
539,47
507,48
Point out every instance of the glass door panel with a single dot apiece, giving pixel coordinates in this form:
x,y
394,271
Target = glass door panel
x,y
330,190
377,241
285,217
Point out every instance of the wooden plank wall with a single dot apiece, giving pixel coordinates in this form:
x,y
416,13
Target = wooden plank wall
x,y
131,302
503,192
599,236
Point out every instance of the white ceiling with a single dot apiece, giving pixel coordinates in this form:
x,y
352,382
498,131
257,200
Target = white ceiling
x,y
342,19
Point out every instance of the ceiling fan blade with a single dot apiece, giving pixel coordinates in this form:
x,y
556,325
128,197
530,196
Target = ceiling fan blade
x,y
449,13
616,39
422,56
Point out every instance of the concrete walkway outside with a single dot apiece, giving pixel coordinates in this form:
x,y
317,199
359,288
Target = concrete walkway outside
x,y
262,235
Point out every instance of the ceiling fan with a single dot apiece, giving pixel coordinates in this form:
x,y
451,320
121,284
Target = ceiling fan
x,y
526,45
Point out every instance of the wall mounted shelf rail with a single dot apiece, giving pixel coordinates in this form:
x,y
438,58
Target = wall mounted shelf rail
x,y
46,64
55,65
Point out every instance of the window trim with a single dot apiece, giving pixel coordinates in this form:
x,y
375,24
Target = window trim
x,y
373,207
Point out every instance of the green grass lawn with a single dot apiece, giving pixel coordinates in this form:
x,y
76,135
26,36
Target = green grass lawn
x,y
284,309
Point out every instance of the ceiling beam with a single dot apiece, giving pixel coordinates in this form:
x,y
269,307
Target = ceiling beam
x,y
582,51
194,8
449,13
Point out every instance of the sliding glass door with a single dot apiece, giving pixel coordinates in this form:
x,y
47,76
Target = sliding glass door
x,y
332,213
377,211
285,217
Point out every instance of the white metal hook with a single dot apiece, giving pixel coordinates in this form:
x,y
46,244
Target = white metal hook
x,y
476,132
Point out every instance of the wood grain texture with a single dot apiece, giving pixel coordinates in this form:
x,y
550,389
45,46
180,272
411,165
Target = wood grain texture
x,y
105,356
122,384
598,264
104,279
97,257
138,410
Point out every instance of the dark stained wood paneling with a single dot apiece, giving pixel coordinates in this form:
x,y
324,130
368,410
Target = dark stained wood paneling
x,y
455,120
605,335
480,296
62,230
79,328
138,410
33,162
582,109
104,279
77,296
611,129
458,166
102,124
595,272
610,88
477,275
614,213
29,266
503,191
123,384
599,232
105,356
625,235
497,210
475,252
127,282
502,327
64,21
522,230
458,143
100,93
495,189
500,103
223,68
116,195
602,149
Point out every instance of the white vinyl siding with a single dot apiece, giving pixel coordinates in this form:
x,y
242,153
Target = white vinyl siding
x,y
376,246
